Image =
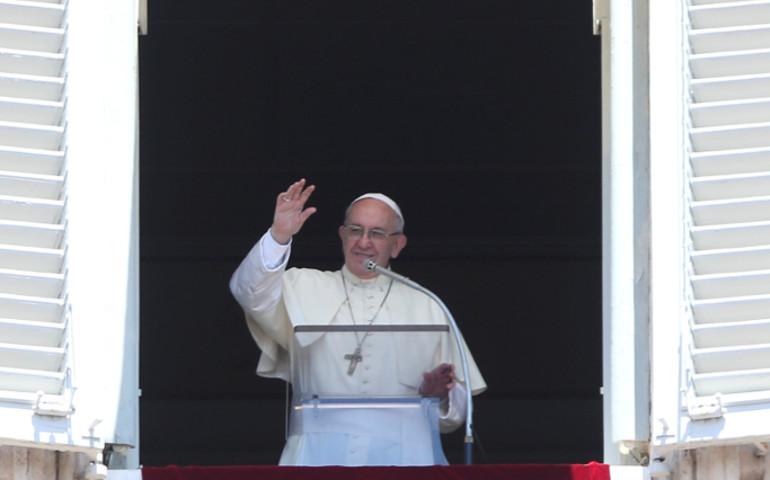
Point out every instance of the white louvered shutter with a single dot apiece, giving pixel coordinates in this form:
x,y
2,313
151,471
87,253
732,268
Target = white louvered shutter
x,y
33,305
730,160
722,390
69,227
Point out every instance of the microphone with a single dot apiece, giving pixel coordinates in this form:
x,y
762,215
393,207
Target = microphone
x,y
371,266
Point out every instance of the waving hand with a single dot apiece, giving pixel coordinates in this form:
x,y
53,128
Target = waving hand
x,y
290,212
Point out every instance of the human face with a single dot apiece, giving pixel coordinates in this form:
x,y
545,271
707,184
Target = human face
x,y
370,214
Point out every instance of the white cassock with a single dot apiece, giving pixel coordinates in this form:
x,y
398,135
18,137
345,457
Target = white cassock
x,y
276,300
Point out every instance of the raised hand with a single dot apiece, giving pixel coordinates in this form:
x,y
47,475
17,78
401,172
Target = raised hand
x,y
438,382
290,212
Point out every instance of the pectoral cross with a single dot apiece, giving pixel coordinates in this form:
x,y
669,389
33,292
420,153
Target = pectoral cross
x,y
354,358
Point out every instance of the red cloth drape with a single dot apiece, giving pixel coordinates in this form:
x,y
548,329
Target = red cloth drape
x,y
591,471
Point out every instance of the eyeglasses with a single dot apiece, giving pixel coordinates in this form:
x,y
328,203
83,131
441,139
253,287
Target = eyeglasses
x,y
355,232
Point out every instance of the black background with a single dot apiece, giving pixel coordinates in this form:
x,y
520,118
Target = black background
x,y
481,118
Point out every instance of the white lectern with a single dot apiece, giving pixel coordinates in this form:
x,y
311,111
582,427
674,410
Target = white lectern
x,y
355,394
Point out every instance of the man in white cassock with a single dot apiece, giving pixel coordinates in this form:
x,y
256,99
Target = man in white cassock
x,y
359,364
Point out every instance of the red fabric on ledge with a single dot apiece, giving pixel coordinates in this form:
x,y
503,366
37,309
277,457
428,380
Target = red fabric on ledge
x,y
591,471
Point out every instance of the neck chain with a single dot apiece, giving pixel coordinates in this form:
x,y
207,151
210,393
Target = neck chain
x,y
356,356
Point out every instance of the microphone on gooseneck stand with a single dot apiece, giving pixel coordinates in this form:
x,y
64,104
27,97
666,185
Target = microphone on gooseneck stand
x,y
371,266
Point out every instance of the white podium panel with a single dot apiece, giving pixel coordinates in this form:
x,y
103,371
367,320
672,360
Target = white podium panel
x,y
356,395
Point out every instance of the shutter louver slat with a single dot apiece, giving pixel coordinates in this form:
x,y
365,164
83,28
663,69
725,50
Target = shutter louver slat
x,y
728,359
26,135
32,13
747,62
734,87
39,309
711,114
731,236
30,63
40,260
731,285
31,111
31,283
729,211
731,260
730,14
730,137
31,38
733,382
751,332
33,358
731,309
33,307
31,185
26,332
742,160
25,209
31,87
31,161
16,380
720,187
41,235
730,39
708,2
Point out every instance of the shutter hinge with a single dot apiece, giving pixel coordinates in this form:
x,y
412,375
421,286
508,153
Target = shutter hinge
x,y
601,11
705,408
54,408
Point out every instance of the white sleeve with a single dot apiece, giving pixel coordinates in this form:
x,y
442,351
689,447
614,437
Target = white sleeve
x,y
456,411
256,284
274,254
